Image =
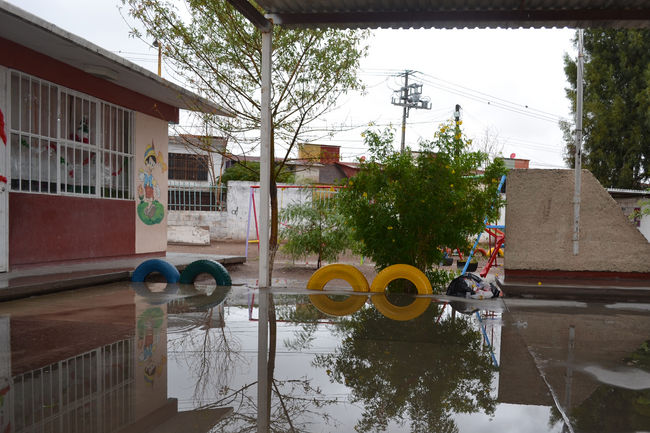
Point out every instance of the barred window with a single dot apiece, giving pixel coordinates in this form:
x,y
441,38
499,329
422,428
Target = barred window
x,y
65,142
184,166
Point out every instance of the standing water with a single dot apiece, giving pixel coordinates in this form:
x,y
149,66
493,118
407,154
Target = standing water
x,y
138,358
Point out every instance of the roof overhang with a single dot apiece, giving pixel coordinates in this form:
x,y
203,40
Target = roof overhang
x,y
44,37
458,13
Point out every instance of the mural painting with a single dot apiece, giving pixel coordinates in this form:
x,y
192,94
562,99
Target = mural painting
x,y
149,337
150,210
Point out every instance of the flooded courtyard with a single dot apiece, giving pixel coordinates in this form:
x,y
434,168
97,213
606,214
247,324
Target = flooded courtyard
x,y
129,357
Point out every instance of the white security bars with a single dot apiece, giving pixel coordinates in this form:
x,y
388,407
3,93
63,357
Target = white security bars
x,y
65,142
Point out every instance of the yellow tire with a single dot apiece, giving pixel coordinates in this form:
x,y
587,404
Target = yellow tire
x,y
407,272
348,273
500,252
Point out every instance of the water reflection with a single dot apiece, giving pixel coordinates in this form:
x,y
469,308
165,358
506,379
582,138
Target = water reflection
x,y
89,361
417,372
125,358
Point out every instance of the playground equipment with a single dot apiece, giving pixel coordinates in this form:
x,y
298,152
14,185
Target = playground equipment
x,y
171,274
407,272
348,273
359,284
318,192
150,266
493,231
212,267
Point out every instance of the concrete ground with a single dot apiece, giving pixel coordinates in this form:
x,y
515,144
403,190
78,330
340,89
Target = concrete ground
x,y
48,278
54,277
287,272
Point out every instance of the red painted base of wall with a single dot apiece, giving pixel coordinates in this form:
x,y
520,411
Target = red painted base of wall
x,y
578,278
50,228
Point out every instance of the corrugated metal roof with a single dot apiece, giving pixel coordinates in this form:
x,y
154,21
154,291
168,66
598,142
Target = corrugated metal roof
x,y
458,13
44,37
619,192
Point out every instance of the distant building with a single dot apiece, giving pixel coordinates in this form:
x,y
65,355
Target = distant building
x,y
322,164
193,157
512,163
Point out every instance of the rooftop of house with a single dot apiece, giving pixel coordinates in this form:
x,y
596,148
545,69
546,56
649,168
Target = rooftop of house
x,y
41,36
199,141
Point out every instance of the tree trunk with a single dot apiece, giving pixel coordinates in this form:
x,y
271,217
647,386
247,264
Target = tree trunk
x,y
273,337
273,192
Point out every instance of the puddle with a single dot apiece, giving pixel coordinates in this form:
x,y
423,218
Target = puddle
x,y
131,358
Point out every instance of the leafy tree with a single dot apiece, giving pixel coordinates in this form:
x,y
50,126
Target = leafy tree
x,y
314,227
218,51
404,209
417,371
616,121
250,171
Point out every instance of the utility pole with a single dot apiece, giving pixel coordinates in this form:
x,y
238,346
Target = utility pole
x,y
158,45
409,96
578,144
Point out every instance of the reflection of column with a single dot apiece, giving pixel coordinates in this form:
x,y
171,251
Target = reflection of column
x,y
6,411
569,368
150,357
262,361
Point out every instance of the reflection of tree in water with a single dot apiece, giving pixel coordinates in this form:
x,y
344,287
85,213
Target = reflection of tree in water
x,y
614,409
293,404
299,310
209,350
213,354
416,370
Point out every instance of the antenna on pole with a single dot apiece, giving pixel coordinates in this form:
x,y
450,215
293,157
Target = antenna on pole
x,y
409,96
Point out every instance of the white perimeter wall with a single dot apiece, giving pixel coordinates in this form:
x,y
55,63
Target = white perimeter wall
x,y
233,223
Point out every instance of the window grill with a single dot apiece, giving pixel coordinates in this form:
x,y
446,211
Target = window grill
x,y
184,166
65,142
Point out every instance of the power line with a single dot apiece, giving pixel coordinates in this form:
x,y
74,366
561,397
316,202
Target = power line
x,y
493,97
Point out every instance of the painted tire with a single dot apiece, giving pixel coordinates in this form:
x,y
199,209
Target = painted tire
x,y
147,267
482,251
214,268
407,272
348,273
156,298
500,251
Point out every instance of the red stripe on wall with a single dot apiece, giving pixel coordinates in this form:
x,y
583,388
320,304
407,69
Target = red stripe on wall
x,y
47,228
31,62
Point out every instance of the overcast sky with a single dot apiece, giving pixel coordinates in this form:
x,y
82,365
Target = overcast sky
x,y
510,82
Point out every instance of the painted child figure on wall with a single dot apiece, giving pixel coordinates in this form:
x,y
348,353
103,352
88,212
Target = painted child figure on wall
x,y
150,210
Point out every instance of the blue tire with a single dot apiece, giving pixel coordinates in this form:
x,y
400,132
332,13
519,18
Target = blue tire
x,y
156,298
147,267
214,268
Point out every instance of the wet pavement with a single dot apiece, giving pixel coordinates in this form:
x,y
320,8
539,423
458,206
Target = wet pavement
x,y
55,277
128,357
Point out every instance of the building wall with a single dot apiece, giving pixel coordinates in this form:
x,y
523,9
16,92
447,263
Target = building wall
x,y
307,174
238,206
216,221
539,224
31,62
629,205
150,210
46,228
216,160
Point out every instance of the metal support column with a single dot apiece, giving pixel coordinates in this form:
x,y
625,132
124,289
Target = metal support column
x,y
265,189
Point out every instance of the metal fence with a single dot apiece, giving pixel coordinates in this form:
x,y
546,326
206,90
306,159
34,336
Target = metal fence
x,y
197,197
